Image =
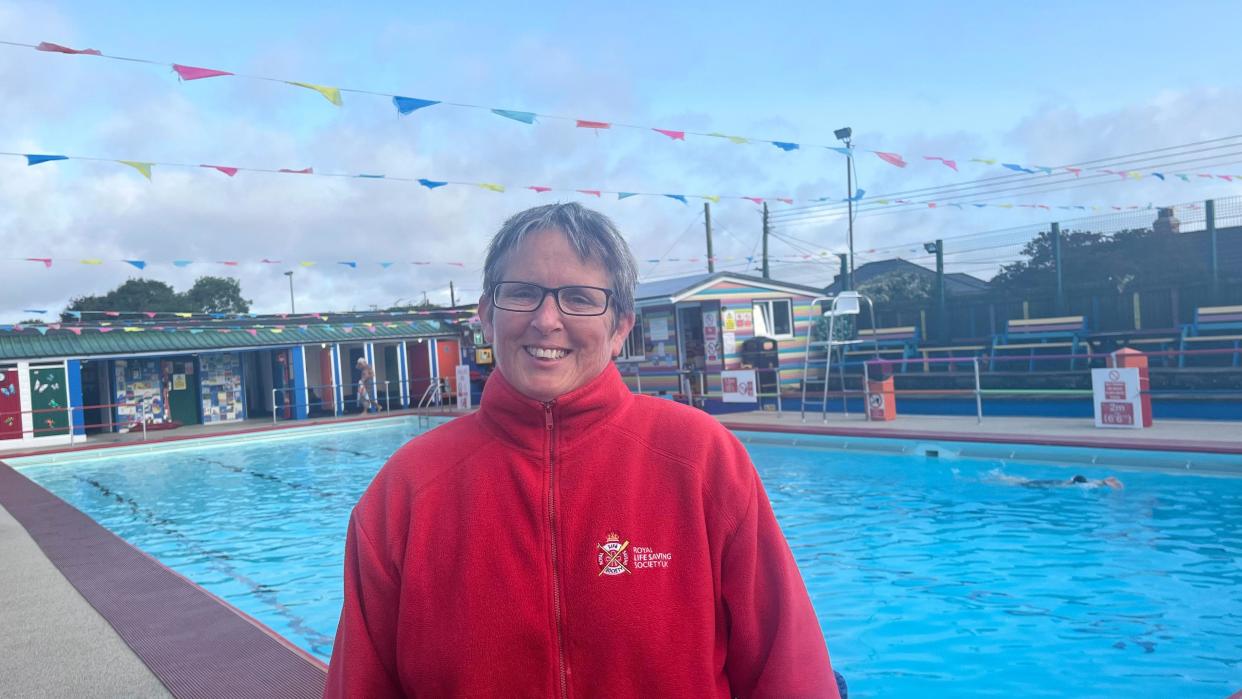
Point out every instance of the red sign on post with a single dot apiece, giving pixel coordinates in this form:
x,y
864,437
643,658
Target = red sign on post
x,y
1117,413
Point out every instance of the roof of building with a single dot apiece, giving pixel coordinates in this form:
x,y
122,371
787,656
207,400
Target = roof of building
x,y
31,343
669,289
956,283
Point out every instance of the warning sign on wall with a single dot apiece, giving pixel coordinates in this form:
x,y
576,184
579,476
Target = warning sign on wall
x,y
1117,398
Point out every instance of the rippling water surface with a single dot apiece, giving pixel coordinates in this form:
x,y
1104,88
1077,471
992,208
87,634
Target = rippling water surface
x,y
931,577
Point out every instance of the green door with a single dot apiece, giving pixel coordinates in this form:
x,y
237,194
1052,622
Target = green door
x,y
183,400
49,394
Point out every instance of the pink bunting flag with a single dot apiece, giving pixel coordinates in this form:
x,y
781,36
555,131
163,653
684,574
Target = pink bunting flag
x,y
675,135
583,124
230,171
253,332
951,164
786,200
891,158
303,171
540,189
457,264
594,192
47,261
931,204
1076,170
106,330
150,314
57,48
230,263
112,314
75,331
192,73
1227,178
757,200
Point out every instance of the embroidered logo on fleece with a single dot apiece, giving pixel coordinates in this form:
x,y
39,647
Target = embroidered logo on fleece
x,y
613,556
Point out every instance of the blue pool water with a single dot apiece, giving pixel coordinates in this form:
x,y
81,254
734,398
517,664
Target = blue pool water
x,y
931,576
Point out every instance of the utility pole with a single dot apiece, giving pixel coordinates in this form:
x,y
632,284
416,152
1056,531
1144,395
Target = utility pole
x,y
452,296
943,310
849,194
1056,262
707,216
843,277
1210,212
290,275
765,241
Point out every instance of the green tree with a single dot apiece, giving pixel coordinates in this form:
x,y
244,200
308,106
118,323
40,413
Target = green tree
x,y
216,295
133,295
898,288
208,295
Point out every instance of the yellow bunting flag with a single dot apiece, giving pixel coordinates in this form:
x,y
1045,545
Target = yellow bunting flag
x,y
92,261
735,139
277,330
184,315
307,264
1136,174
144,168
492,187
332,94
131,330
712,198
985,161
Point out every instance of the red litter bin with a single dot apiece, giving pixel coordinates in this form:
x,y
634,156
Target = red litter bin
x,y
1127,358
882,398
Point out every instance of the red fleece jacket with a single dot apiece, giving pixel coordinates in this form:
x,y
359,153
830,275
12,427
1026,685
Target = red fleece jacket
x,y
601,545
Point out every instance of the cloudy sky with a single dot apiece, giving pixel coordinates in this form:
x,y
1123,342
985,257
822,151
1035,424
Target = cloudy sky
x,y
1055,84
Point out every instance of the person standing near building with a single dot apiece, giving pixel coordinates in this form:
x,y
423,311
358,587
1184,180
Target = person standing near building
x,y
366,401
571,539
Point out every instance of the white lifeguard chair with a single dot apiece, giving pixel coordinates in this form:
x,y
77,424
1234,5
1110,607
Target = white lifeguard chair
x,y
846,303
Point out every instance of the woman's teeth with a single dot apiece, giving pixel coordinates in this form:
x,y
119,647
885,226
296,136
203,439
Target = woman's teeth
x,y
546,353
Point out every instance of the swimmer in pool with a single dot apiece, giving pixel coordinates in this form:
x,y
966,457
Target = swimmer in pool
x,y
1077,480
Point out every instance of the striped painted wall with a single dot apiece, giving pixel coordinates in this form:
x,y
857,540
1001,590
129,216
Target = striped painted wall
x,y
660,373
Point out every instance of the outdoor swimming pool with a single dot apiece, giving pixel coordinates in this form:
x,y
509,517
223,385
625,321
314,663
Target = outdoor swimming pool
x,y
931,576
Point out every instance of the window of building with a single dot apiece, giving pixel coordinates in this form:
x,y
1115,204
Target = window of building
x,y
633,347
773,318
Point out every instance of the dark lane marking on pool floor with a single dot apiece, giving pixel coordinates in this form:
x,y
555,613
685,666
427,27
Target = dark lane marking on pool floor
x,y
347,451
218,561
269,477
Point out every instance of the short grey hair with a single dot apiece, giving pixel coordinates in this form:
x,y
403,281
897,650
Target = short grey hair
x,y
591,234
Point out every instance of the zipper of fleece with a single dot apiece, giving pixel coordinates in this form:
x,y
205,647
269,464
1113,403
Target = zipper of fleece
x,y
556,576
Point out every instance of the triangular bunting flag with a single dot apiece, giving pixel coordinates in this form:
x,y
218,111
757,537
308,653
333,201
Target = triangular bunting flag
x,y
47,261
583,124
592,192
890,158
626,195
332,94
350,264
92,261
431,184
757,200
951,164
492,187
408,105
524,117
57,48
193,73
144,168
678,197
303,171
785,146
32,159
539,189
230,171
675,135
183,263
140,264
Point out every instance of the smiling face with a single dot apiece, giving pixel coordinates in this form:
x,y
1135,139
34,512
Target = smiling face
x,y
545,354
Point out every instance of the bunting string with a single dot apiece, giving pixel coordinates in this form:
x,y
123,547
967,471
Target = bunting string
x,y
146,169
405,106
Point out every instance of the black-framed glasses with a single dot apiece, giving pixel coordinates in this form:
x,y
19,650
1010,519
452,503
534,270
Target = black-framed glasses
x,y
524,297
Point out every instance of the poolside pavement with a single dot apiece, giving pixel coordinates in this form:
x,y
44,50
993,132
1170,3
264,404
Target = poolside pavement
x,y
54,643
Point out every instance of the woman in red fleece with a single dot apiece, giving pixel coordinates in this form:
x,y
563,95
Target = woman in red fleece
x,y
571,539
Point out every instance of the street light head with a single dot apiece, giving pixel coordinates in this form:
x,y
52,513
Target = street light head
x,y
929,247
289,273
843,134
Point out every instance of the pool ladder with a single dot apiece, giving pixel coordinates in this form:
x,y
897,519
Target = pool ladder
x,y
433,395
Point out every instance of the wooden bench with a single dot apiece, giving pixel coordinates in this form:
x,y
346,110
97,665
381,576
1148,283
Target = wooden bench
x,y
887,343
1142,340
1029,337
1215,327
950,352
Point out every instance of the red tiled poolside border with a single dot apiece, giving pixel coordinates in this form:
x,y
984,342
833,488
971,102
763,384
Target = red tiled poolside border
x,y
992,438
195,643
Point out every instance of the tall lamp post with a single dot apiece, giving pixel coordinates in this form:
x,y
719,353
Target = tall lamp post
x,y
844,135
291,308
